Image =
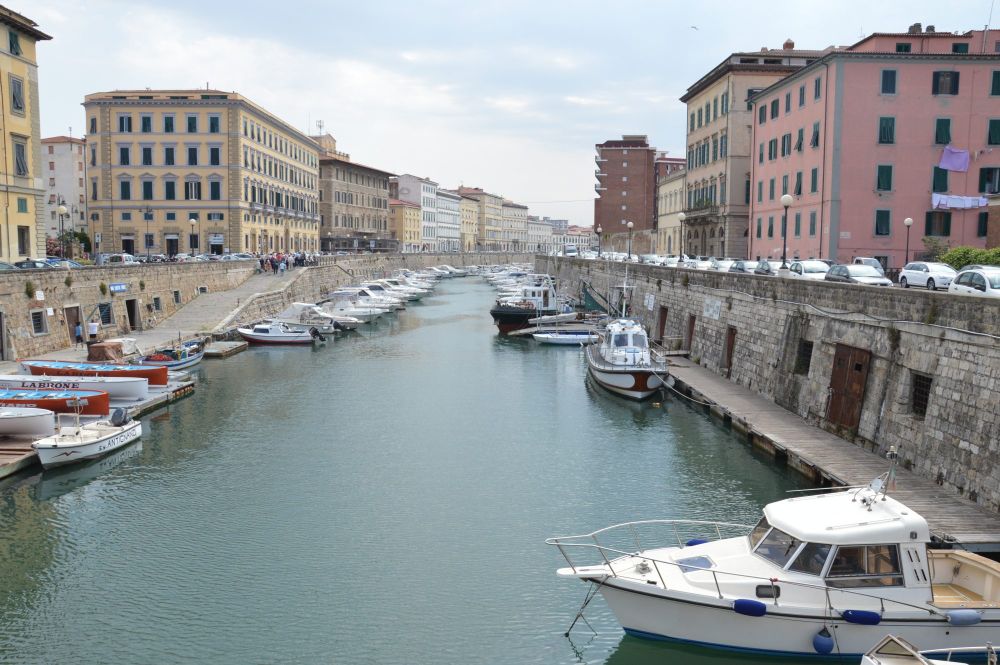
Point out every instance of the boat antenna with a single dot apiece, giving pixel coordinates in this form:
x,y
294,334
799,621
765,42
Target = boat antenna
x,y
890,480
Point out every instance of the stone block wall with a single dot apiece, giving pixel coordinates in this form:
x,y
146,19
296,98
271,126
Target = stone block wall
x,y
917,340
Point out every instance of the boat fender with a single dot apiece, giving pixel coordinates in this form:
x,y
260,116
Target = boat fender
x,y
964,617
823,642
750,608
862,617
695,541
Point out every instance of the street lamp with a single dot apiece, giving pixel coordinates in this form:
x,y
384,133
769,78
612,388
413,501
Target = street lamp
x,y
599,231
908,222
194,223
680,218
786,200
147,213
629,226
62,210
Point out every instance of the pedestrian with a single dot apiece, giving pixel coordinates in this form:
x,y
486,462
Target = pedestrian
x,y
281,267
274,265
78,333
92,328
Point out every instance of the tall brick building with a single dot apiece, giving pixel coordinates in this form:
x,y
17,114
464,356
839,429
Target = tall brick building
x,y
626,192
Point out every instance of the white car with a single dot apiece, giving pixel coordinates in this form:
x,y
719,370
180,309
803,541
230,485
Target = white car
x,y
722,265
930,275
808,269
978,282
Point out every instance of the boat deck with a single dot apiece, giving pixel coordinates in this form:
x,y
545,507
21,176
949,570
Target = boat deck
x,y
552,327
830,460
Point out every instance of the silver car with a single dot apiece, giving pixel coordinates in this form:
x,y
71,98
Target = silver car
x,y
808,269
929,275
984,282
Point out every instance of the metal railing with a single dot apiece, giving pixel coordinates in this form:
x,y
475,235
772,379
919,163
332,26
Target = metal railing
x,y
657,361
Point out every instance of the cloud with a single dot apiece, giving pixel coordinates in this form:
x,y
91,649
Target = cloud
x,y
577,100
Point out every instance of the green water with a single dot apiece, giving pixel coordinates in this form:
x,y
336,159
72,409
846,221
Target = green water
x,y
383,499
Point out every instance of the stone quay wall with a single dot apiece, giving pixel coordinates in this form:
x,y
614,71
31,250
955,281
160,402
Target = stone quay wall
x,y
787,334
38,307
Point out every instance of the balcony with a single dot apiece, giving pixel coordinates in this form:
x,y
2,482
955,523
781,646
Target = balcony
x,y
701,210
599,189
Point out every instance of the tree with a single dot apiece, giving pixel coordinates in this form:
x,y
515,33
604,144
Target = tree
x,y
934,248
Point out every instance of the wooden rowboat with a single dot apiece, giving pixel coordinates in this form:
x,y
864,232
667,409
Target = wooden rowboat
x,y
88,402
157,376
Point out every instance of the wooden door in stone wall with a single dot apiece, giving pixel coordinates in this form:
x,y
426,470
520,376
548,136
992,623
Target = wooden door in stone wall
x,y
847,386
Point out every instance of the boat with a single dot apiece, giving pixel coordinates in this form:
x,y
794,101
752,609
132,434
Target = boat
x,y
533,300
76,443
820,574
303,316
91,402
181,356
622,361
893,650
55,482
341,305
117,387
27,421
156,376
278,333
566,337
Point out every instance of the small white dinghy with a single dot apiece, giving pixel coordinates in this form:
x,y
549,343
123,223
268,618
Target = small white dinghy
x,y
26,421
279,333
566,337
117,387
76,443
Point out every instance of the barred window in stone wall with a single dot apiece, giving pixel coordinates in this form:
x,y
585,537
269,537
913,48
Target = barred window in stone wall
x,y
920,394
803,358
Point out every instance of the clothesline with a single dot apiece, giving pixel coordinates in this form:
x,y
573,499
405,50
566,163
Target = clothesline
x,y
949,201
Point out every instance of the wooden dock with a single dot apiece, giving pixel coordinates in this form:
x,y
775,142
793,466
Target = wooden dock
x,y
224,349
830,460
15,454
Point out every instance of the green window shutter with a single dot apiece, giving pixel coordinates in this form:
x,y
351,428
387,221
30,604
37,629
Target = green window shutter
x,y
936,83
886,130
798,140
940,180
984,178
942,131
995,87
22,204
812,223
883,181
814,180
758,227
770,227
984,218
947,224
760,191
798,183
928,223
798,224
994,133
882,222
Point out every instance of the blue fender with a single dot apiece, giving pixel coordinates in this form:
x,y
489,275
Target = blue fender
x,y
862,617
823,642
964,617
750,608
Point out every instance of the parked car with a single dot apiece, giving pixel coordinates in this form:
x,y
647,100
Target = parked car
x,y
976,266
869,261
183,257
983,282
722,265
766,267
29,264
857,273
930,275
808,269
671,261
745,267
7,266
57,262
121,259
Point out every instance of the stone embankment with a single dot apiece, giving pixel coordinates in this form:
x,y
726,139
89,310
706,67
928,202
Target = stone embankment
x,y
879,367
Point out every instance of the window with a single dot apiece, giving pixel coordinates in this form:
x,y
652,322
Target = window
x,y
798,224
802,95
725,103
883,178
788,102
192,156
723,146
812,557
940,180
124,124
214,155
16,95
993,132
798,183
157,304
784,185
170,190
777,547
775,108
865,566
39,322
147,156
760,158
937,223
814,141
192,124
106,313
700,117
762,115
944,83
960,47
983,223
215,190
93,190
888,81
168,156
942,131
124,155
903,47
23,240
770,190
213,124
920,394
798,140
14,42
177,297
22,204
817,87
886,130
147,190
786,145
803,358
760,191
812,223
171,216
93,125
882,226
995,84
125,190
758,227
192,190
692,122
746,191
145,124
148,240
772,149
168,124
770,227
989,180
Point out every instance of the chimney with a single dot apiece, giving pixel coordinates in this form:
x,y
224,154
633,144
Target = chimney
x,y
788,45
930,28
915,29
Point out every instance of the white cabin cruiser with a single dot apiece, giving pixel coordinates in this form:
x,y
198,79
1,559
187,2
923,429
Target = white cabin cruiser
x,y
302,316
381,299
396,284
623,363
380,289
455,272
824,574
893,650
346,308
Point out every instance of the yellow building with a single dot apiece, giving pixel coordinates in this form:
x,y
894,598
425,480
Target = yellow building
x,y
404,223
197,171
22,230
470,223
670,194
489,217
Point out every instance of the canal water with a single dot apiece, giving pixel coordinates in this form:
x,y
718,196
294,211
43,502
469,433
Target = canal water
x,y
382,499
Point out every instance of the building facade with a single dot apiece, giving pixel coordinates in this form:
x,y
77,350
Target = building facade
x,y
23,227
489,217
65,173
514,232
404,224
196,171
898,126
449,221
353,201
671,198
626,192
719,147
423,192
539,235
469,209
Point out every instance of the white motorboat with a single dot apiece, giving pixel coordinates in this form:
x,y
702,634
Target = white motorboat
x,y
76,443
301,316
566,337
347,308
365,298
179,356
133,388
455,272
893,650
823,574
27,421
278,333
622,362
379,289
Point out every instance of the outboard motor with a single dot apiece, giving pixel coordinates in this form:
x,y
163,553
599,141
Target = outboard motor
x,y
119,417
317,335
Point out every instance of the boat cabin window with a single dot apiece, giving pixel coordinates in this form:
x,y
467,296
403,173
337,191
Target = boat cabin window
x,y
778,547
262,329
639,341
865,566
811,559
759,531
620,341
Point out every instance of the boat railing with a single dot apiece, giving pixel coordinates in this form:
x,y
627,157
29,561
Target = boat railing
x,y
946,654
687,533
657,362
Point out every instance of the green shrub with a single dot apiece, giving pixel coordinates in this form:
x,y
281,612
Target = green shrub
x,y
104,289
29,289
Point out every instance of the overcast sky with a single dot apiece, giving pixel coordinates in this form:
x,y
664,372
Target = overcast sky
x,y
507,95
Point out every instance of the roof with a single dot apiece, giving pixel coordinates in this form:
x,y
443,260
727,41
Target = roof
x,y
910,35
405,204
625,143
326,157
848,517
728,65
510,204
63,139
473,192
22,23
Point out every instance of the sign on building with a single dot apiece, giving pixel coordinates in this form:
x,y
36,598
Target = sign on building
x,y
712,308
118,287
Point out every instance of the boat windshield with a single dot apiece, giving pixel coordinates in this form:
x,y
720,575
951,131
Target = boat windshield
x,y
811,559
778,547
759,531
865,566
620,340
639,341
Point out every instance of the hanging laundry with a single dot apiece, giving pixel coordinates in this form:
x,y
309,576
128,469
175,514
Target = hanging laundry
x,y
949,201
953,159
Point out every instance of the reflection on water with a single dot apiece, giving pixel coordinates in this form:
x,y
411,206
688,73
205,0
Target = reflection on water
x,y
381,499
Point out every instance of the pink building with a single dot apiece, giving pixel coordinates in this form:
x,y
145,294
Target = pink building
x,y
857,138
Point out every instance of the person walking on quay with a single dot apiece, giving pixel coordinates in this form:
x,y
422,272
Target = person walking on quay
x,y
274,265
281,267
92,328
78,334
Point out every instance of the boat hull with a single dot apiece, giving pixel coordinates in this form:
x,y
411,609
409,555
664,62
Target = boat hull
x,y
649,615
183,363
274,340
508,319
156,376
117,387
23,421
51,453
90,402
567,339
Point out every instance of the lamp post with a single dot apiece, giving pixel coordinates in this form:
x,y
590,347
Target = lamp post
x,y
680,218
194,223
147,213
62,210
786,200
599,231
908,222
629,226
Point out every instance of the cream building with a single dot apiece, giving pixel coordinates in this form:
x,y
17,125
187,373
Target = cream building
x,y
514,232
63,157
489,217
449,221
22,230
196,171
404,223
539,235
469,208
670,200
